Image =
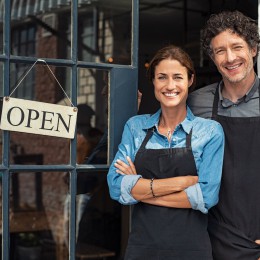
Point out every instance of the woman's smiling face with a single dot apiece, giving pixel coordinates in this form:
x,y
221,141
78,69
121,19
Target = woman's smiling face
x,y
171,83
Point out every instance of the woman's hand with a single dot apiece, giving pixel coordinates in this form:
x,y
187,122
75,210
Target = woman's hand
x,y
180,182
124,168
161,187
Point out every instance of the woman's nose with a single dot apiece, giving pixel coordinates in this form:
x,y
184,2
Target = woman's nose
x,y
171,84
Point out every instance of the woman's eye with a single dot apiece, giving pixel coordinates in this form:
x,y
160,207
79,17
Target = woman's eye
x,y
161,77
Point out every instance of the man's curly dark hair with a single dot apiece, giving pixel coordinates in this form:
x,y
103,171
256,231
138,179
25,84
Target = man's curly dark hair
x,y
233,21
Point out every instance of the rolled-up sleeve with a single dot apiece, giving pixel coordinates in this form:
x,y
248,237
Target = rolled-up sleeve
x,y
128,182
210,171
205,194
195,198
120,186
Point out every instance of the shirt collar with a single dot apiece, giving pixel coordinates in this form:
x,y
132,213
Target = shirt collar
x,y
252,90
186,124
226,102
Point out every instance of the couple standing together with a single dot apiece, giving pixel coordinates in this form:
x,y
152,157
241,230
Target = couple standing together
x,y
193,196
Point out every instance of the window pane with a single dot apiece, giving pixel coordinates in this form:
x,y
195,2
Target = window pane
x,y
1,223
38,82
1,26
92,116
1,145
36,219
1,79
105,31
41,28
40,216
98,222
52,150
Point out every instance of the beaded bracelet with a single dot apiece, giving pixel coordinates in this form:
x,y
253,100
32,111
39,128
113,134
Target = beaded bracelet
x,y
151,187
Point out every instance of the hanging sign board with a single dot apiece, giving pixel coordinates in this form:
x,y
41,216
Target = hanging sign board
x,y
38,118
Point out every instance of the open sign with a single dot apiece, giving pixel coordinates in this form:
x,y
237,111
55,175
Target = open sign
x,y
38,118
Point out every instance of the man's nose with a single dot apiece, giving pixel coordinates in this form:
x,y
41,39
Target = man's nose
x,y
231,56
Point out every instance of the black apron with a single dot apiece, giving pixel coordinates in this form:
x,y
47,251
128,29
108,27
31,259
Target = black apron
x,y
161,233
234,223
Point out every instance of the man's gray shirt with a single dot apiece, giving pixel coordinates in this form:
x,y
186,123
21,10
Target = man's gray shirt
x,y
201,102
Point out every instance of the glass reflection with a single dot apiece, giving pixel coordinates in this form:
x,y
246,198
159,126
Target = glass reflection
x,y
98,222
1,29
36,205
36,82
1,80
51,150
97,218
1,224
105,31
92,116
41,28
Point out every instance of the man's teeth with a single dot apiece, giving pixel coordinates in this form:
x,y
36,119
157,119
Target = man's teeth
x,y
232,67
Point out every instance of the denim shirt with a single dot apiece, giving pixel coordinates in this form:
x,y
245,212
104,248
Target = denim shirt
x,y
207,146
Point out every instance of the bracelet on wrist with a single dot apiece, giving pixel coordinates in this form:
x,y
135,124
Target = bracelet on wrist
x,y
151,187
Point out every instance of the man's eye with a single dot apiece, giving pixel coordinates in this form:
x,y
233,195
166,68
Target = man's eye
x,y
238,48
219,52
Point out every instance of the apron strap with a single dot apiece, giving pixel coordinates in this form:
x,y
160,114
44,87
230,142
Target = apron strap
x,y
215,103
146,139
188,139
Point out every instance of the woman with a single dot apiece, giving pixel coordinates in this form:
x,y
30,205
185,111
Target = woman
x,y
175,177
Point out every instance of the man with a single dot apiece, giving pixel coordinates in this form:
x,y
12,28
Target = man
x,y
232,42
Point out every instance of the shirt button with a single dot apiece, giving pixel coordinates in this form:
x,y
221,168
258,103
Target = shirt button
x,y
234,105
